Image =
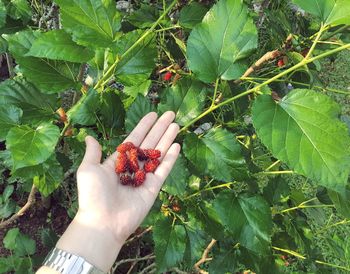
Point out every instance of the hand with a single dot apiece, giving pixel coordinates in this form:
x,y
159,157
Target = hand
x,y
104,200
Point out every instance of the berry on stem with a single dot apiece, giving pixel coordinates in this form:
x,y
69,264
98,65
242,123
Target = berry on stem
x,y
167,76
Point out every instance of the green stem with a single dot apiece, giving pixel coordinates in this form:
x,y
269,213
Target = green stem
x,y
335,32
207,189
105,78
168,28
303,206
258,87
277,172
315,42
298,255
297,83
272,165
215,91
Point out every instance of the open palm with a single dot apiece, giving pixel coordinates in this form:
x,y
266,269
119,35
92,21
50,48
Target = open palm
x,y
103,199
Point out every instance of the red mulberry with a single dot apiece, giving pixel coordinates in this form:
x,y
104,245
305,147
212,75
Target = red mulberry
x,y
124,147
141,154
125,179
133,164
139,177
151,165
152,153
122,163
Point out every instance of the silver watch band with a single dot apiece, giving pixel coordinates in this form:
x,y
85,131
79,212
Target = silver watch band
x,y
67,263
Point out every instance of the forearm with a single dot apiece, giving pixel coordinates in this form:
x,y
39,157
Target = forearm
x,y
92,241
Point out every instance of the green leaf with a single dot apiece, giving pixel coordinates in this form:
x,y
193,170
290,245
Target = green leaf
x,y
58,45
93,23
176,182
303,130
50,177
7,192
20,9
137,65
144,17
169,243
135,90
196,241
341,201
37,107
9,117
84,111
226,36
49,75
20,243
248,219
334,12
30,147
139,108
216,154
2,14
112,110
10,238
191,15
186,99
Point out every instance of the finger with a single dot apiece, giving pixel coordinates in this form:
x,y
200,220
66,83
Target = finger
x,y
93,151
167,139
137,135
143,127
166,165
158,130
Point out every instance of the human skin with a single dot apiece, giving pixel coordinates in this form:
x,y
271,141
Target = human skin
x,y
110,212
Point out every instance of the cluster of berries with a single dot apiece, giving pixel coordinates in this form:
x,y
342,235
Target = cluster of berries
x,y
127,165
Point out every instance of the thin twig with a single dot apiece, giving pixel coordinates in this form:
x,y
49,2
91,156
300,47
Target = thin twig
x,y
148,229
148,257
265,58
23,210
204,257
148,269
177,270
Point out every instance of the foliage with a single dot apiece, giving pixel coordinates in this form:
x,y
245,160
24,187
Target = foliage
x,y
241,135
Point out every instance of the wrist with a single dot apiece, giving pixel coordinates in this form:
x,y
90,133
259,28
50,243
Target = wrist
x,y
91,239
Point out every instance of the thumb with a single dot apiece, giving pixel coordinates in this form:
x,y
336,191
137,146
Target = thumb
x,y
93,151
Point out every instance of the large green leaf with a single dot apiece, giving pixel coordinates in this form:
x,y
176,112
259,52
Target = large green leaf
x,y
217,46
216,154
30,147
303,130
2,14
139,108
58,45
50,177
191,15
9,117
36,106
145,16
93,23
248,219
186,99
137,65
112,110
20,243
177,179
49,75
333,12
84,111
341,201
20,9
170,243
